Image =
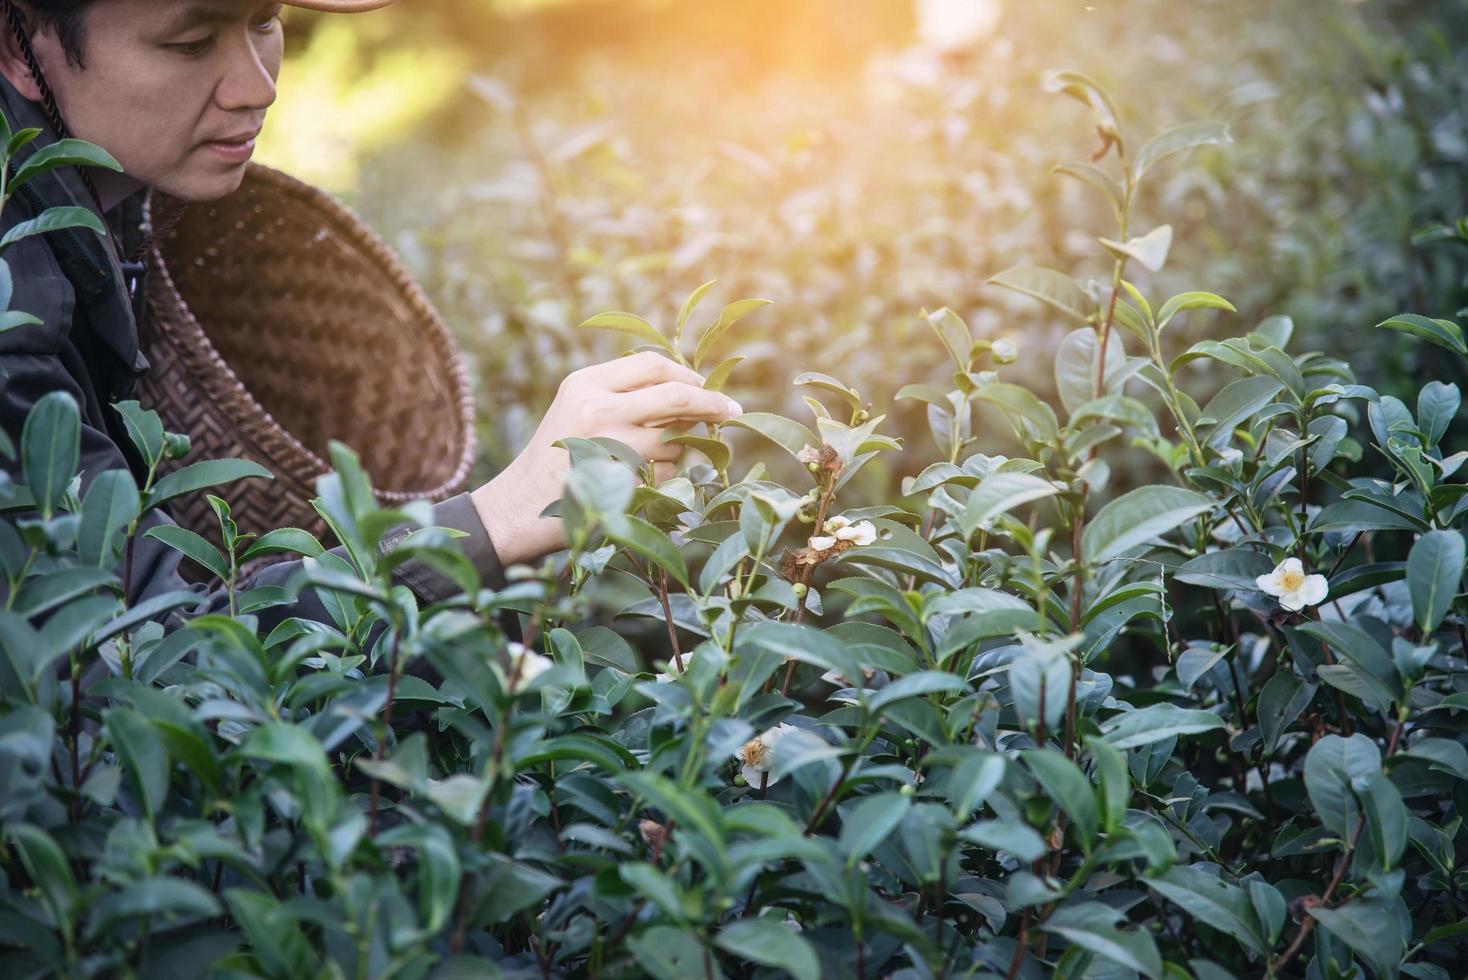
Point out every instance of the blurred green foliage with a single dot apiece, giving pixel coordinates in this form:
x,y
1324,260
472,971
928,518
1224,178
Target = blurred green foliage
x,y
615,155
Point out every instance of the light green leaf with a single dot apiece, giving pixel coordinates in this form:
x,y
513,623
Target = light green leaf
x,y
631,324
1093,927
1191,301
1076,362
63,153
1067,786
785,433
770,943
144,756
1330,767
1175,140
666,953
1149,250
999,494
1088,92
644,539
1386,816
1212,901
1435,576
53,219
1115,789
1019,839
1048,286
1031,417
957,339
50,445
1281,701
1444,333
1437,406
1099,179
204,475
654,886
867,823
110,505
914,685
1229,568
1143,726
193,546
1137,517
1372,927
729,316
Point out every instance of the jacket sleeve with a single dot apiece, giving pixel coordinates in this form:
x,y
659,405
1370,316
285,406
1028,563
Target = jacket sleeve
x,y
29,377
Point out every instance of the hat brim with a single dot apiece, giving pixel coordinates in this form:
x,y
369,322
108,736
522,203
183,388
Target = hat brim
x,y
339,6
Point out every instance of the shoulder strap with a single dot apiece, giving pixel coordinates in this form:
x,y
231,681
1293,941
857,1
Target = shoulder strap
x,y
82,259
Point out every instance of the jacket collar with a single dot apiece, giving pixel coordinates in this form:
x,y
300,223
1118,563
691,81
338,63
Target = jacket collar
x,y
95,269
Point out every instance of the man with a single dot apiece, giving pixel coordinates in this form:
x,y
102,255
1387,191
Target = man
x,y
177,90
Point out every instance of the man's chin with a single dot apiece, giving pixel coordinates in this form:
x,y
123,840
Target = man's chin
x,y
200,188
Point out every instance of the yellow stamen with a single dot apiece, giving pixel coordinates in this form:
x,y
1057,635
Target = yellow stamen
x,y
753,752
1291,580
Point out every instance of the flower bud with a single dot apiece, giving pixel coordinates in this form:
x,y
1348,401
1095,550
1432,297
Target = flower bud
x,y
908,789
800,589
175,445
1005,351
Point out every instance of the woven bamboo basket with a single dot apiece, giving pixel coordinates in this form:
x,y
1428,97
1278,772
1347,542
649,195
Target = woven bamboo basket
x,y
278,321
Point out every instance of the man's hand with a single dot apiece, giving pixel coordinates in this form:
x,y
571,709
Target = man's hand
x,y
633,400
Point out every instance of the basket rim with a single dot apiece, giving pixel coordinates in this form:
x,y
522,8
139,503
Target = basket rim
x,y
180,328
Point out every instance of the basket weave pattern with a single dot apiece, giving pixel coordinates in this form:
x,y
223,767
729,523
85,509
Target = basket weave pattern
x,y
278,321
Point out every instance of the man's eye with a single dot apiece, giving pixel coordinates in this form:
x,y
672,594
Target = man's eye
x,y
194,48
268,18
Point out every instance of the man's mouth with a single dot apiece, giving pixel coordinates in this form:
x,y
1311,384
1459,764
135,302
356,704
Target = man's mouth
x,y
237,148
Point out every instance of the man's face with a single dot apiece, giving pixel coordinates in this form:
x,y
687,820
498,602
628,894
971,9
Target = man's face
x,y
176,90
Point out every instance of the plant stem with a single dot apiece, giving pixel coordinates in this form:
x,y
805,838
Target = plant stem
x,y
392,690
668,617
76,735
815,818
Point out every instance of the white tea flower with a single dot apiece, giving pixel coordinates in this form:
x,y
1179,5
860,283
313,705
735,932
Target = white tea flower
x,y
526,665
758,754
842,529
1292,587
672,673
822,542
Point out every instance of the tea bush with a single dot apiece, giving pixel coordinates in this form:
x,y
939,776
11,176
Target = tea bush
x,y
1204,727
624,153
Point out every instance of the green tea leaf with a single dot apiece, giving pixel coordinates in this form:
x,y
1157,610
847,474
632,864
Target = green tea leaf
x,y
1435,576
867,823
631,324
1143,726
1053,288
1444,333
771,944
1137,517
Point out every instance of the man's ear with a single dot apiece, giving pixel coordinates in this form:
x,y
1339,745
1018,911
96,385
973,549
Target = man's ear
x,y
13,64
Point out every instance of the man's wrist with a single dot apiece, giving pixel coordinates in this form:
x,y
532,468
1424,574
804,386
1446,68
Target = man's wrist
x,y
516,537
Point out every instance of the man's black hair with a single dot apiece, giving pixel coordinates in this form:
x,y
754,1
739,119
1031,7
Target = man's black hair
x,y
66,18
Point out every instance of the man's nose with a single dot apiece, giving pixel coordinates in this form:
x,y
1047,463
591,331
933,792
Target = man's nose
x,y
249,82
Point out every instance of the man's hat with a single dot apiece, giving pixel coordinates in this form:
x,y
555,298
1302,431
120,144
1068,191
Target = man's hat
x,y
339,6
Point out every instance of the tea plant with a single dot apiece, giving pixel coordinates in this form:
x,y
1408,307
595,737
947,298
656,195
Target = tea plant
x,y
1005,726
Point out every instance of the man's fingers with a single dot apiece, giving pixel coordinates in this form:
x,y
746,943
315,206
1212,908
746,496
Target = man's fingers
x,y
664,472
647,368
662,452
673,401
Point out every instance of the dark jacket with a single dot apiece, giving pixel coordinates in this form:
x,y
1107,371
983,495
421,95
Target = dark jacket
x,y
87,345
